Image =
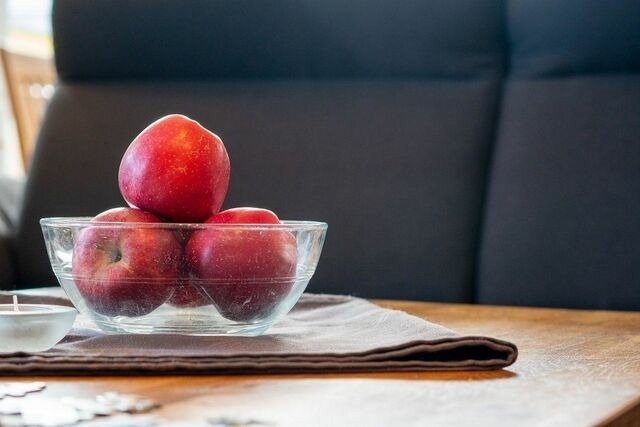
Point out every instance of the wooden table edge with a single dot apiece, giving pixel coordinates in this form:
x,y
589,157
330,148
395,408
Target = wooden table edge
x,y
628,415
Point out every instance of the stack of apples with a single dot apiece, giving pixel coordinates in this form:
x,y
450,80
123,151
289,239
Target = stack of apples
x,y
176,171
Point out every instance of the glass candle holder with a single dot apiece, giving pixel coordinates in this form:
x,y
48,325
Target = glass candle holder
x,y
33,328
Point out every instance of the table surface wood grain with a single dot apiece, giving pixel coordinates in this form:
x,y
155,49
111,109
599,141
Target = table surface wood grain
x,y
574,368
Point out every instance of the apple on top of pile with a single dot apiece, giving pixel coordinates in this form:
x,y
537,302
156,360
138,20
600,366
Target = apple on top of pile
x,y
176,171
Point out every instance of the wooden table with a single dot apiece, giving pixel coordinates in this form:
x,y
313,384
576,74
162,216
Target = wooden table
x,y
575,368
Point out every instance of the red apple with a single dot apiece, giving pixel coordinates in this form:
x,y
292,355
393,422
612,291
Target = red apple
x,y
125,271
244,216
175,169
246,272
187,294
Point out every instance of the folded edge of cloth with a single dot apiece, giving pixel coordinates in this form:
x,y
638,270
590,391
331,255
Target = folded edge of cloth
x,y
323,333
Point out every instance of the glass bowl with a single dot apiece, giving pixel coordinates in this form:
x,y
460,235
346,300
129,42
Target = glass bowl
x,y
195,279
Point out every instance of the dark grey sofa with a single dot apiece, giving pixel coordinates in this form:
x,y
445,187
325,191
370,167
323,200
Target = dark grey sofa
x,y
460,150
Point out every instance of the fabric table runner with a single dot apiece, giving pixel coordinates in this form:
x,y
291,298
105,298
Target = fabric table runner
x,y
323,333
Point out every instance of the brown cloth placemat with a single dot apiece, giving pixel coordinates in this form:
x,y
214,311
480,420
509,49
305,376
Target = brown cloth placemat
x,y
323,333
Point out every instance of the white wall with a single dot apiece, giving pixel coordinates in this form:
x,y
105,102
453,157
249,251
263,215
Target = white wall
x,y
10,157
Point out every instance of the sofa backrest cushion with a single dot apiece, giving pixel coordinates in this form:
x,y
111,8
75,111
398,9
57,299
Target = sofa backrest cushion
x,y
550,38
258,39
562,223
395,165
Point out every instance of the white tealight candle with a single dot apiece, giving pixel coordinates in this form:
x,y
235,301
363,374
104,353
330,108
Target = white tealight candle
x,y
33,327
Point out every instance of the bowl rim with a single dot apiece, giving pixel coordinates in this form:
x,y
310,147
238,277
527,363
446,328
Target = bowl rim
x,y
84,221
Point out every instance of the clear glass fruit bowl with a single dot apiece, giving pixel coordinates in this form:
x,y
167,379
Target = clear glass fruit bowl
x,y
196,279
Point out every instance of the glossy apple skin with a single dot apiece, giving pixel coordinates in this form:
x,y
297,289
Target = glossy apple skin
x,y
244,215
245,272
176,169
109,264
